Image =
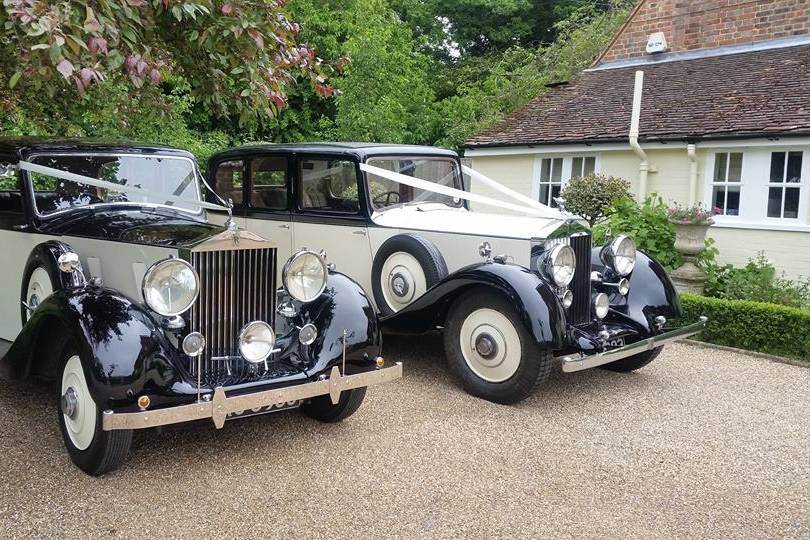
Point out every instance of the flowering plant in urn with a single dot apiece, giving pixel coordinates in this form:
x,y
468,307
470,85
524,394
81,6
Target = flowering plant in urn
x,y
691,224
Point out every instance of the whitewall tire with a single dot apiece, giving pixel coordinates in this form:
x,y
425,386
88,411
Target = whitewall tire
x,y
490,345
491,351
38,289
405,267
402,280
92,449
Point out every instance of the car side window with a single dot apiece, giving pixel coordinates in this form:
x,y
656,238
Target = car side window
x,y
328,185
11,202
229,181
268,176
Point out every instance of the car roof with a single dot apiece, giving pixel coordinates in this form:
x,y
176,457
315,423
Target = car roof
x,y
21,147
359,150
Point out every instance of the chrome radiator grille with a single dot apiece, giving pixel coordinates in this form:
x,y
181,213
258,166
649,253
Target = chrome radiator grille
x,y
580,310
236,287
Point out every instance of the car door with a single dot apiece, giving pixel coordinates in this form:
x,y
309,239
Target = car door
x,y
260,187
328,214
227,178
268,202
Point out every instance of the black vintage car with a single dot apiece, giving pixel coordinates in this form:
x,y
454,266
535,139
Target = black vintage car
x,y
513,291
117,288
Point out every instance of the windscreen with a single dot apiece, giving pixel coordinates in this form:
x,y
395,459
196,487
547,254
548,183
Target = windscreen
x,y
162,175
385,193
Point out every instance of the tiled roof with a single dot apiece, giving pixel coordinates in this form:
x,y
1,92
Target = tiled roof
x,y
751,94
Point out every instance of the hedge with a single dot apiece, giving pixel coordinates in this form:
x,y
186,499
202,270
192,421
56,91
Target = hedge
x,y
755,326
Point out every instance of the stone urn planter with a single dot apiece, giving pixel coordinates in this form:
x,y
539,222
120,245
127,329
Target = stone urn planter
x,y
690,242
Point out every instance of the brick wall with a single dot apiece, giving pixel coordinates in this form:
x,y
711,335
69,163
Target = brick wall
x,y
700,24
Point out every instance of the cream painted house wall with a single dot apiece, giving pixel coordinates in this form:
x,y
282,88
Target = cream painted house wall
x,y
789,250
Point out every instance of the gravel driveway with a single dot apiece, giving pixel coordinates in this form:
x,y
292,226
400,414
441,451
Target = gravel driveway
x,y
702,443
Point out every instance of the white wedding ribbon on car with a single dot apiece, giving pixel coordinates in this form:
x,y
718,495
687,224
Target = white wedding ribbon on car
x,y
95,182
531,207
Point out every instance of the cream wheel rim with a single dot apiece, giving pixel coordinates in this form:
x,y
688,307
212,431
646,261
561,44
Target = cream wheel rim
x,y
402,280
39,288
78,409
490,345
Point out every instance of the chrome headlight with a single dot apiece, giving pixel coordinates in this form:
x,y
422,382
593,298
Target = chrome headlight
x,y
620,255
170,286
559,264
256,341
304,276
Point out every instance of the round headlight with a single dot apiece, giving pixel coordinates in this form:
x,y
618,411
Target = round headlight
x,y
559,265
304,276
601,305
620,255
256,341
170,287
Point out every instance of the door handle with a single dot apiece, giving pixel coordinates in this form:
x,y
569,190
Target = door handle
x,y
361,232
285,226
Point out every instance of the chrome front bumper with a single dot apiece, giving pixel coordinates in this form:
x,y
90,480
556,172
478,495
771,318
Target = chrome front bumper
x,y
578,362
220,406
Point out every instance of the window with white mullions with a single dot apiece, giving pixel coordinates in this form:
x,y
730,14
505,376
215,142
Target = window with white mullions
x,y
784,187
727,183
550,180
582,166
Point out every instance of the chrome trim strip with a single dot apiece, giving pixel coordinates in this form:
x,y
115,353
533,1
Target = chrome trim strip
x,y
221,406
578,362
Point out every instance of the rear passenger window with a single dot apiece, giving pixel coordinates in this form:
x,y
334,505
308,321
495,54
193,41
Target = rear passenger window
x,y
269,183
11,205
229,180
329,184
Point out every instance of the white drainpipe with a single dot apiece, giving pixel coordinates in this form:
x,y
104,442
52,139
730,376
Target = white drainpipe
x,y
644,167
693,173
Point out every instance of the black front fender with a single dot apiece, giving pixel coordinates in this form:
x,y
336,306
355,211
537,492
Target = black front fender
x,y
123,350
533,299
343,306
651,294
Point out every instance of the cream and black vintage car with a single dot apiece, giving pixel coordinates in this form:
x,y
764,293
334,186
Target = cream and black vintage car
x,y
117,288
512,291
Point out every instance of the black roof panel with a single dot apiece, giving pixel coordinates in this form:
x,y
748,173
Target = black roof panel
x,y
24,146
357,150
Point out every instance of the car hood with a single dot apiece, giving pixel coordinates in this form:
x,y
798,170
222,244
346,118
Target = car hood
x,y
441,218
165,229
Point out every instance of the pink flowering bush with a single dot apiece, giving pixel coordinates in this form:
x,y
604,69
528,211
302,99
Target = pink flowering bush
x,y
695,214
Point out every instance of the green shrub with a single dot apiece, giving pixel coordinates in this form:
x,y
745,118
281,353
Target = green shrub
x,y
593,196
756,281
647,224
755,326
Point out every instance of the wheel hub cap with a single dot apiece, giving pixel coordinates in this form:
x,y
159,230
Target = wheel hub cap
x,y
486,346
70,403
400,285
33,302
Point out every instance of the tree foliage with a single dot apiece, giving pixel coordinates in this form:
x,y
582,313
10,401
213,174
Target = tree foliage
x,y
203,74
238,57
593,196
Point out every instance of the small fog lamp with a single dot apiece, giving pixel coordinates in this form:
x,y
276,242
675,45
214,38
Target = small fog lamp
x,y
380,361
193,344
601,304
567,299
307,334
624,286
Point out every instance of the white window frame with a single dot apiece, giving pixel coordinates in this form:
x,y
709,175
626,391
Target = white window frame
x,y
726,184
565,176
755,181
